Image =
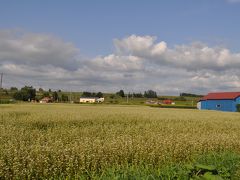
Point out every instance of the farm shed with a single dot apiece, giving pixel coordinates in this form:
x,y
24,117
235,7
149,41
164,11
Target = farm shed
x,y
221,101
46,100
91,100
167,101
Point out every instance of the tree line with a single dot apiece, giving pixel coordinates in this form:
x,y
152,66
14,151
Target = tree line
x,y
28,93
147,94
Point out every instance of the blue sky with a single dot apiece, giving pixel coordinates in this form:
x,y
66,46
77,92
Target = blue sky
x,y
92,24
111,44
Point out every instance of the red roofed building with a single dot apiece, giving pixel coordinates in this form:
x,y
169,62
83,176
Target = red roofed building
x,y
222,101
167,101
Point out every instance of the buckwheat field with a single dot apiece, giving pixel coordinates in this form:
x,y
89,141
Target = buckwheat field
x,y
99,141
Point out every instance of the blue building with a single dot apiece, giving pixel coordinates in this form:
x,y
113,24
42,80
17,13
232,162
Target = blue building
x,y
221,101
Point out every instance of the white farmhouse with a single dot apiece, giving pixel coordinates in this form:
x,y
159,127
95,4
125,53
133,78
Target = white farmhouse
x,y
91,100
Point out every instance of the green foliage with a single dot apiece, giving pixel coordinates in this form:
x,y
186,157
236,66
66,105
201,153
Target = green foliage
x,y
6,101
180,98
46,94
13,89
99,95
55,96
150,94
112,96
120,93
238,107
64,98
26,93
92,94
173,106
190,95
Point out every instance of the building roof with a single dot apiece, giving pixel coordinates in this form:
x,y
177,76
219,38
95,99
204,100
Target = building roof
x,y
46,98
221,95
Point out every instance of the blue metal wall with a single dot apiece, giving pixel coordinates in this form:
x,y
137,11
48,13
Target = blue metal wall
x,y
220,105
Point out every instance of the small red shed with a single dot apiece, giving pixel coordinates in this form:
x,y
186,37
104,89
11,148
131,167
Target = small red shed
x,y
167,101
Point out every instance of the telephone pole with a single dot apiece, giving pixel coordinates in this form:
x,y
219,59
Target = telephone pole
x,y
1,80
1,85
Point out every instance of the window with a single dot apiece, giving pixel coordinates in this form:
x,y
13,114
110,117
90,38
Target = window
x,y
218,105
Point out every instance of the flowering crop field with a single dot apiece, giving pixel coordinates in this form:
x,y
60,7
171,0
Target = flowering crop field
x,y
59,141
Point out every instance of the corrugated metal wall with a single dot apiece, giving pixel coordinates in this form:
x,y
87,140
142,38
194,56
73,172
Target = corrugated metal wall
x,y
220,105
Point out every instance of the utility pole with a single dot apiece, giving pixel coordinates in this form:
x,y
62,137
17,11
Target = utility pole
x,y
69,96
1,85
127,98
1,80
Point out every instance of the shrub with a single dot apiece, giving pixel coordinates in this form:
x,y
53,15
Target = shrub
x,y
238,107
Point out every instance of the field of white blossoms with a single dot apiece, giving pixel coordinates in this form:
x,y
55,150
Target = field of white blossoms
x,y
102,141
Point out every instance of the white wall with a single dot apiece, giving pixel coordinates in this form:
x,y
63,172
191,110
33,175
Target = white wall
x,y
199,105
87,100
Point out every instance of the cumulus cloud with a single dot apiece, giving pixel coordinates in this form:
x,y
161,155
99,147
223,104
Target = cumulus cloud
x,y
140,46
195,56
36,49
137,64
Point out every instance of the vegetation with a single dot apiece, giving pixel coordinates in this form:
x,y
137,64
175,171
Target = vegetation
x,y
92,94
133,98
150,94
64,141
190,95
120,93
238,107
27,93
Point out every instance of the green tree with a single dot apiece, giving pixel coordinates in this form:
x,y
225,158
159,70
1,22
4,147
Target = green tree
x,y
55,96
64,98
99,95
150,94
238,107
13,89
46,94
26,93
121,93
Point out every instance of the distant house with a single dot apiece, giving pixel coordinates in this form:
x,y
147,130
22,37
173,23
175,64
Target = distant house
x,y
221,101
152,102
91,100
46,100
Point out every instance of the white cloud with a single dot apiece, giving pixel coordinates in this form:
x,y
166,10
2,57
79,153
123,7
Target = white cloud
x,y
140,46
36,49
195,56
233,1
138,63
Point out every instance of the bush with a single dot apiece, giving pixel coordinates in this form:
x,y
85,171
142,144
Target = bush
x,y
238,107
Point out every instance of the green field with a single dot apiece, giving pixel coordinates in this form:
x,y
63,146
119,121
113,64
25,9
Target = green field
x,y
74,141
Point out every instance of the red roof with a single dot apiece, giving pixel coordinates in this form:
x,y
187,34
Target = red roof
x,y
221,95
167,101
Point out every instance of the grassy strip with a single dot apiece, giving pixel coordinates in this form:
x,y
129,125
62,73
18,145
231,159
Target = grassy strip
x,y
173,106
6,101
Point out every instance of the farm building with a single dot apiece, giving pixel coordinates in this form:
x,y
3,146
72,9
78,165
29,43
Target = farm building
x,y
46,100
91,100
221,101
167,101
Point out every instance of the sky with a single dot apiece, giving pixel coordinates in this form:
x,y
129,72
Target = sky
x,y
169,46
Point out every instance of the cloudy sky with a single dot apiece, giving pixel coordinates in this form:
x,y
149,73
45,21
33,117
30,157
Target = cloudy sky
x,y
169,46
